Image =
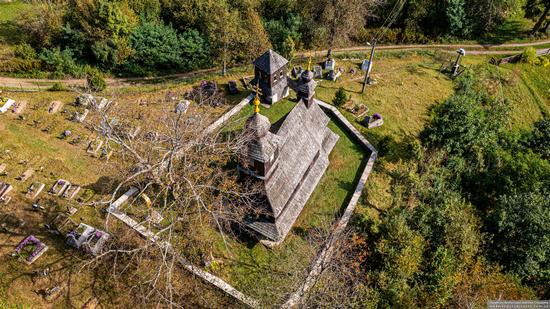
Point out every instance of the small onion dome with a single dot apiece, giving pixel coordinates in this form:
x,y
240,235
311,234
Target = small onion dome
x,y
258,124
306,76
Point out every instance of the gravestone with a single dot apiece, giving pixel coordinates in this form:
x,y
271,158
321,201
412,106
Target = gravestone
x,y
365,65
94,146
19,107
317,71
87,238
34,190
71,192
80,117
182,107
333,75
59,187
330,64
85,100
6,105
55,106
26,175
373,121
232,87
5,188
100,103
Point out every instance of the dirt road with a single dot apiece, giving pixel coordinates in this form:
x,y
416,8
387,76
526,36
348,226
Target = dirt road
x,y
472,49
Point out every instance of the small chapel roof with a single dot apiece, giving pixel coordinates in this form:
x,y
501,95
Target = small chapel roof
x,y
270,62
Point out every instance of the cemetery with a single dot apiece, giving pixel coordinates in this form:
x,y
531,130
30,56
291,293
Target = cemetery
x,y
62,176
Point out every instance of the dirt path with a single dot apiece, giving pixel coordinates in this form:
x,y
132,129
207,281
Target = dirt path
x,y
472,49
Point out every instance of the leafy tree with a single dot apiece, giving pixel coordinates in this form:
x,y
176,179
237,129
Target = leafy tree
x,y
540,139
458,20
95,80
520,234
155,46
195,50
61,62
340,97
147,10
259,41
106,25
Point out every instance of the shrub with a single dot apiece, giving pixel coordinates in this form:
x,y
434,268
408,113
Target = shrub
x,y
57,87
95,80
60,62
340,97
540,139
155,46
529,56
195,50
24,51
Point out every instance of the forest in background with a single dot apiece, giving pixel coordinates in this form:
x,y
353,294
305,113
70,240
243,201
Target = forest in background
x,y
145,37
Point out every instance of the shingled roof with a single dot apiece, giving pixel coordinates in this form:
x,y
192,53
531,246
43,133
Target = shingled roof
x,y
270,62
304,144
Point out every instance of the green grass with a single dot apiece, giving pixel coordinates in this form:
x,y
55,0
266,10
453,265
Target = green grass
x,y
268,274
11,10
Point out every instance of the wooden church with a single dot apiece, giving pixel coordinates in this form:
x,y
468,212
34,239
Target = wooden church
x,y
288,159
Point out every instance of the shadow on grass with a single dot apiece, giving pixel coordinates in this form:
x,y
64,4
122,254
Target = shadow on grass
x,y
509,30
10,33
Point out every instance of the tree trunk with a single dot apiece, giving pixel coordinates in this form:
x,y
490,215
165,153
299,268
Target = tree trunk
x,y
542,19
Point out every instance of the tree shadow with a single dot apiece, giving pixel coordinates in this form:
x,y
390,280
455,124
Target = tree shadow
x,y
10,33
509,30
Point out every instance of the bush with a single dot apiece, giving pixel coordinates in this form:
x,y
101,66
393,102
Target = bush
x,y
95,80
529,56
24,51
155,46
195,50
340,97
540,139
57,87
60,62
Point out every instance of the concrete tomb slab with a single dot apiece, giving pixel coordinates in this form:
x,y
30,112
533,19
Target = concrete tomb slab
x,y
59,187
26,175
35,253
80,117
124,198
317,71
94,146
71,192
20,107
5,188
87,238
6,105
55,106
34,190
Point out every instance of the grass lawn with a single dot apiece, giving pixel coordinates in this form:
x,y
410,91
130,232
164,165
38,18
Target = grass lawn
x,y
12,9
268,274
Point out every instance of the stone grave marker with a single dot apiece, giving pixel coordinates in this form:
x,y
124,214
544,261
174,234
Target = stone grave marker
x,y
317,71
39,248
71,192
5,188
232,87
6,105
101,103
59,187
55,106
85,100
19,107
94,146
365,65
330,64
34,190
26,175
80,117
182,107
